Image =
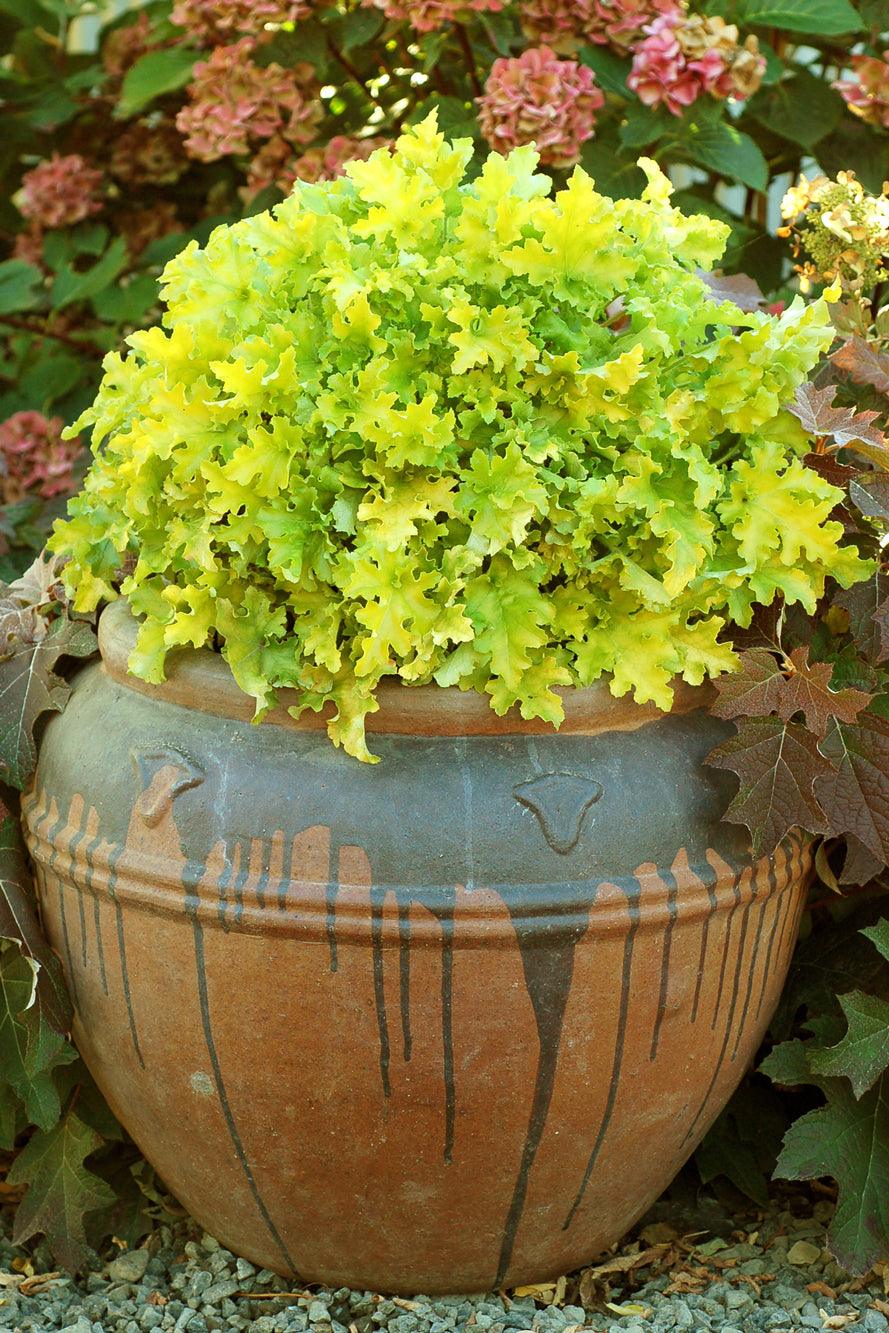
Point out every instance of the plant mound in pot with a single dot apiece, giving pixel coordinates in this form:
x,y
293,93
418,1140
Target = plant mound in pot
x,y
444,470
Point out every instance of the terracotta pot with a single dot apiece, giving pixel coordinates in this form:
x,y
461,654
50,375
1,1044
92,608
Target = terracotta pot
x,y
440,1024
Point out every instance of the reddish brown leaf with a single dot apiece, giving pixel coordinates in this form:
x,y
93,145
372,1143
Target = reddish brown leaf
x,y
881,620
860,865
831,469
863,601
737,288
806,689
869,492
777,763
855,793
753,691
843,425
864,363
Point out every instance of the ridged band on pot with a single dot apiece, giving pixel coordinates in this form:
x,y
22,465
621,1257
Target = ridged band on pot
x,y
439,1024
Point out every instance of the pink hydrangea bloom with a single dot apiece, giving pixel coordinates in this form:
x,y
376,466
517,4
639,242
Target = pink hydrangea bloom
x,y
867,92
566,25
217,21
123,47
61,191
538,98
28,245
430,15
277,164
36,460
235,103
683,56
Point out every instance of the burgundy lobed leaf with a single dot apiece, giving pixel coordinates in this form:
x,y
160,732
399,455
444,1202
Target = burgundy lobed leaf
x,y
854,793
863,363
843,425
755,690
777,763
869,492
863,602
806,689
736,287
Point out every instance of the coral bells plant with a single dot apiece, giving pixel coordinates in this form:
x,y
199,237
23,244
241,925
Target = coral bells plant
x,y
392,428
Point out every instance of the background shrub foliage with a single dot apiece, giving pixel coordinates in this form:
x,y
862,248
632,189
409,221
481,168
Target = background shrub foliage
x,y
204,111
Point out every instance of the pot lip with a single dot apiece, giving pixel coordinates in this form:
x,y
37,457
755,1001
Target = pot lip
x,y
201,680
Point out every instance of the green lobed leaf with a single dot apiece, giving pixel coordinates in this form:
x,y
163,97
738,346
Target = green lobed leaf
x,y
18,284
71,285
822,18
153,75
723,148
801,108
19,923
31,686
61,1188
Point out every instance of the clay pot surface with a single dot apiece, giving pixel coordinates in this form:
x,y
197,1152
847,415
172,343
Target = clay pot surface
x,y
440,1024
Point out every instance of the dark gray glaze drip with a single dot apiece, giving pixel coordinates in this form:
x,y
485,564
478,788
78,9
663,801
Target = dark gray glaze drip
x,y
446,918
286,879
670,880
72,848
191,877
52,835
376,934
264,868
404,975
225,879
330,893
754,957
122,953
548,965
632,892
733,1004
736,892
90,852
705,938
782,942
240,880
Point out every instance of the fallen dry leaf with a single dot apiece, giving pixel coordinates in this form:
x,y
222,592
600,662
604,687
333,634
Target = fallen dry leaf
x,y
837,1320
632,1308
822,1289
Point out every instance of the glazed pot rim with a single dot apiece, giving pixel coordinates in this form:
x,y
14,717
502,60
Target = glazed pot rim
x,y
201,680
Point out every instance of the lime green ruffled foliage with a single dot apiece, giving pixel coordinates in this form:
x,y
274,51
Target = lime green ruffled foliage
x,y
407,426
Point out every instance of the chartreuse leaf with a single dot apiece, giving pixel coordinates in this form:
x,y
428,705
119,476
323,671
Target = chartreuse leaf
x,y
434,420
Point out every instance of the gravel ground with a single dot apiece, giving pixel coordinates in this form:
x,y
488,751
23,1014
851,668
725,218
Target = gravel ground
x,y
769,1275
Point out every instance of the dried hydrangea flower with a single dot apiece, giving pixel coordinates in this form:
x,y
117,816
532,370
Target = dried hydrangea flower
x,y
215,22
37,461
277,164
61,191
125,45
684,56
841,231
538,98
235,103
567,25
140,226
867,92
430,15
148,152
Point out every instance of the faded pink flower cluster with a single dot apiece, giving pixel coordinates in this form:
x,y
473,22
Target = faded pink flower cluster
x,y
867,93
217,21
123,46
685,55
235,103
567,25
34,459
61,191
430,15
538,98
276,163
